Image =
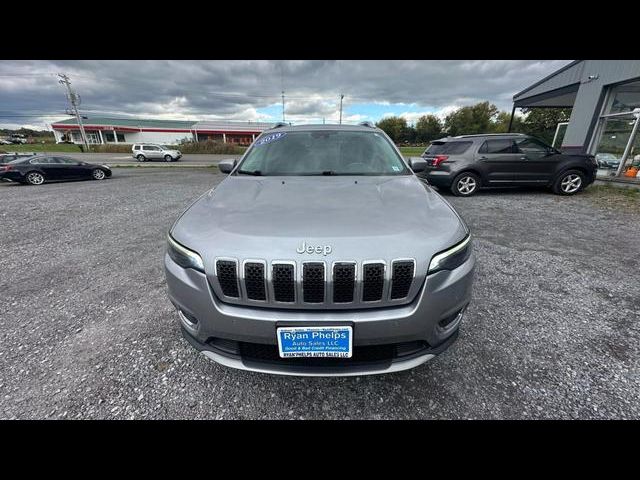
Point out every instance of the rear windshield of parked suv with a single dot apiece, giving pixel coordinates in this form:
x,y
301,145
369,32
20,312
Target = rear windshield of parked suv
x,y
448,148
322,152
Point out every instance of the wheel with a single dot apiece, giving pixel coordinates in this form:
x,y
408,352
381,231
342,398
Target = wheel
x,y
35,178
141,158
168,158
98,174
465,184
569,183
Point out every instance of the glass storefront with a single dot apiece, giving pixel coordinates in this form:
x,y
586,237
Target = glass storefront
x,y
617,146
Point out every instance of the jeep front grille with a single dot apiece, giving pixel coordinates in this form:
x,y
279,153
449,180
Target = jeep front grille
x,y
313,282
316,284
254,281
227,273
401,278
284,283
344,282
372,282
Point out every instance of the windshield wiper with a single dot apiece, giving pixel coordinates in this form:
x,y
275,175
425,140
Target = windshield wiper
x,y
257,173
317,174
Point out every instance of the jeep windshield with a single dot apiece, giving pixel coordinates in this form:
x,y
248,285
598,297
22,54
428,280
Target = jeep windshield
x,y
322,152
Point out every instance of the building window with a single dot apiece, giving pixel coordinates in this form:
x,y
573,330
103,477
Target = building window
x,y
623,98
120,137
108,136
617,141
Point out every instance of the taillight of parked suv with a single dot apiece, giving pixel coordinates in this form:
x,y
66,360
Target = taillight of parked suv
x,y
438,159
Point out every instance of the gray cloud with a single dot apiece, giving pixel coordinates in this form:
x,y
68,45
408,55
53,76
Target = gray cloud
x,y
192,89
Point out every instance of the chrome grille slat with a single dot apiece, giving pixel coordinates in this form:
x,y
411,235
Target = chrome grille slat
x,y
373,280
313,282
344,282
402,273
283,280
227,273
254,281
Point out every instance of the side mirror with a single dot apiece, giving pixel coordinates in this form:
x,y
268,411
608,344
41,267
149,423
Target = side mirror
x,y
417,164
227,166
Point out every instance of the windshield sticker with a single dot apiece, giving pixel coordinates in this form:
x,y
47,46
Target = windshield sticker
x,y
395,169
272,137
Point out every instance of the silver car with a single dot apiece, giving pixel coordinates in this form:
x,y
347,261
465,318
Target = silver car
x,y
321,253
152,151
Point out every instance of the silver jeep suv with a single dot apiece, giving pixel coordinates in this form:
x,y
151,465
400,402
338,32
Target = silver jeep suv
x,y
321,253
153,151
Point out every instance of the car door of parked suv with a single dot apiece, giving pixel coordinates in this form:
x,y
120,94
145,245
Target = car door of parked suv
x,y
500,162
152,152
541,159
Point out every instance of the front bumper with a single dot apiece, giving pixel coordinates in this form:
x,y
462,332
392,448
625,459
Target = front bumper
x,y
424,327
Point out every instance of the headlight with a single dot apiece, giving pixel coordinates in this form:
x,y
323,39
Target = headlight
x,y
452,257
183,256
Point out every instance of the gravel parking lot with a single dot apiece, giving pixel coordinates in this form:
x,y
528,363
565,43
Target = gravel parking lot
x,y
87,331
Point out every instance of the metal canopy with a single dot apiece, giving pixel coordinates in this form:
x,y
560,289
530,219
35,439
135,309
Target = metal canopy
x,y
560,97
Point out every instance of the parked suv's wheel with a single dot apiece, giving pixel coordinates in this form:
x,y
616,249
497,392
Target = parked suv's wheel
x,y
98,174
141,158
569,183
35,178
168,158
465,184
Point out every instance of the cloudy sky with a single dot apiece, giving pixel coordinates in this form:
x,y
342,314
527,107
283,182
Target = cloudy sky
x,y
30,94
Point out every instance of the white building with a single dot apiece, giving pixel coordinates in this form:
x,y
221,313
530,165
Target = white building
x,y
100,130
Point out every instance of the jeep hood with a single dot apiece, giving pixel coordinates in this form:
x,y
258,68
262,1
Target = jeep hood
x,y
359,217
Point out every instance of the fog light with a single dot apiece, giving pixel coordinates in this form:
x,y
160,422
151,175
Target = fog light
x,y
451,319
187,319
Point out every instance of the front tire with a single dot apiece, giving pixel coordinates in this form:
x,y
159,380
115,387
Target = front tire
x,y
98,174
35,178
465,184
168,158
141,158
569,183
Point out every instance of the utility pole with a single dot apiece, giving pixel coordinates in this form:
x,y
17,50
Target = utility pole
x,y
75,100
341,97
283,105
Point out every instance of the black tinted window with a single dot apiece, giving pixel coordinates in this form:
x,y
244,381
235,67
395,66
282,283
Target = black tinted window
x,y
498,146
40,161
530,145
64,160
448,148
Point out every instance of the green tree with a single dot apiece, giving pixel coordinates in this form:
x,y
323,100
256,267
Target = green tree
x,y
395,127
428,127
501,123
542,122
478,118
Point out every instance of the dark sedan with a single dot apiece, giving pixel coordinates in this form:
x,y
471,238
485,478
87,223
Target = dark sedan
x,y
42,168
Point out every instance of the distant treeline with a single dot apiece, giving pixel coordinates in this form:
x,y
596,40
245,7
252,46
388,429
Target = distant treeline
x,y
479,118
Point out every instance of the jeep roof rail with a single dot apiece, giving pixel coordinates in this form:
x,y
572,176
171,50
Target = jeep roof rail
x,y
367,123
490,135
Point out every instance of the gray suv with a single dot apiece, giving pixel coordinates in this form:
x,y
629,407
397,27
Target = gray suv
x,y
153,151
321,253
466,163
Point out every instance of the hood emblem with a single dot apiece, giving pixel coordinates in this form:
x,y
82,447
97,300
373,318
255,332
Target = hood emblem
x,y
311,249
